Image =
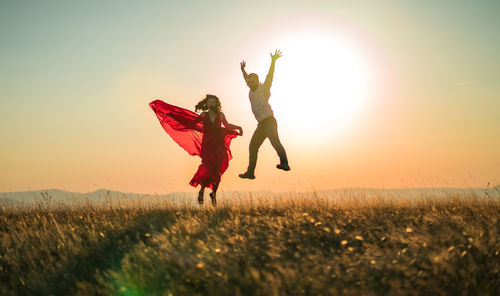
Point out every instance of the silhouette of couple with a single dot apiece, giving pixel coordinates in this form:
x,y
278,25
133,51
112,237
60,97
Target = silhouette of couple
x,y
209,134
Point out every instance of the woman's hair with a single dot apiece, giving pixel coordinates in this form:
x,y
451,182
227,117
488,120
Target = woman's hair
x,y
203,104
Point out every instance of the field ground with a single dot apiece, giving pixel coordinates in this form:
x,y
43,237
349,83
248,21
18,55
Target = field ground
x,y
305,244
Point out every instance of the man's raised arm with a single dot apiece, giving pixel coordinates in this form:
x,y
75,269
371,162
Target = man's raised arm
x,y
269,78
242,66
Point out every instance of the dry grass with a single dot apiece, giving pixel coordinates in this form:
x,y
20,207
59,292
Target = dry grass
x,y
261,245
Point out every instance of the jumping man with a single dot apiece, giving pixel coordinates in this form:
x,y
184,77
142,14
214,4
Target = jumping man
x,y
267,126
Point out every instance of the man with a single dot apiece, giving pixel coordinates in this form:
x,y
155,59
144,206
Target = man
x,y
267,126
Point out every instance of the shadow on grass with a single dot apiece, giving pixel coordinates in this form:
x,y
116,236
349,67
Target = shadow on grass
x,y
107,254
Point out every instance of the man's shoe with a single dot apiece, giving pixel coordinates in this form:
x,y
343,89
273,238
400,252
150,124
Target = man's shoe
x,y
284,167
247,175
200,198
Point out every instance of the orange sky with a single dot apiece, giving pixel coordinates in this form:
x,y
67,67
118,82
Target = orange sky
x,y
392,94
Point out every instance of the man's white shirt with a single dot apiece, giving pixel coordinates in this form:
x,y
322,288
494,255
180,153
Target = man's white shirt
x,y
259,100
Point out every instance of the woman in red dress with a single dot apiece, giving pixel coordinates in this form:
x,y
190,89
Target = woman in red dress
x,y
201,135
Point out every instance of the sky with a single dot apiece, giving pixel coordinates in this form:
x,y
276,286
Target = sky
x,y
384,94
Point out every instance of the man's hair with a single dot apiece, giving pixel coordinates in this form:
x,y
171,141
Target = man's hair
x,y
253,75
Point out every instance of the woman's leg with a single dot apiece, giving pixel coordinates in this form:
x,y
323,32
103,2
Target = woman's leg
x,y
215,186
200,194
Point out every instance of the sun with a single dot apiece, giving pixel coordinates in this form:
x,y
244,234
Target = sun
x,y
320,85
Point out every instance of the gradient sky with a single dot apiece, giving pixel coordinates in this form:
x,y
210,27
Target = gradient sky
x,y
76,79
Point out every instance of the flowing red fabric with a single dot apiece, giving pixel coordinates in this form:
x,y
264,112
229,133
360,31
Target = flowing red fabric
x,y
198,136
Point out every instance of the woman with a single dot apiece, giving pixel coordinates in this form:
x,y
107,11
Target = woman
x,y
201,135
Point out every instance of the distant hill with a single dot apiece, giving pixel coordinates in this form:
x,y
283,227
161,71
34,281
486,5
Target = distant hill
x,y
5,201
67,197
58,195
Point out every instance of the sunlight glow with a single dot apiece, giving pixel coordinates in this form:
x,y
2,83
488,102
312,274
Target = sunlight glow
x,y
321,85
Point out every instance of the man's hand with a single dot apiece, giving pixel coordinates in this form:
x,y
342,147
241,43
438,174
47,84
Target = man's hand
x,y
277,54
269,78
243,65
240,130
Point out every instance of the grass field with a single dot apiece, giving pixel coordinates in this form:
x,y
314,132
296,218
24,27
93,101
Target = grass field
x,y
262,245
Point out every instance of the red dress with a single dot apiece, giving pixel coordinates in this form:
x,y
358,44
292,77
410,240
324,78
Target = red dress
x,y
198,136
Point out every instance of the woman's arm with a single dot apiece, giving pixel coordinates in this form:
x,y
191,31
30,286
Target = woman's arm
x,y
200,117
228,125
